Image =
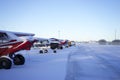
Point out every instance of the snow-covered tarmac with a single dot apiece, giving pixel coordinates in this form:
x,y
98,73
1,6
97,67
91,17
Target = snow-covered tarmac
x,y
94,62
82,62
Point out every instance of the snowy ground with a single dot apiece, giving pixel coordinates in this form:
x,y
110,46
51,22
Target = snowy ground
x,y
94,62
83,62
49,66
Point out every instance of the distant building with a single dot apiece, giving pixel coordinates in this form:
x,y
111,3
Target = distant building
x,y
102,42
115,42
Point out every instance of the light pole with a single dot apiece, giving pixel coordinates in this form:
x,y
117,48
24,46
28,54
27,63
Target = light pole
x,y
59,34
115,34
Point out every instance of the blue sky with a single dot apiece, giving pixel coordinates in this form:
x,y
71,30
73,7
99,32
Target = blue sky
x,y
66,19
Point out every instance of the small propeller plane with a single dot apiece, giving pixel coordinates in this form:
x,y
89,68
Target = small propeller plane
x,y
12,42
42,44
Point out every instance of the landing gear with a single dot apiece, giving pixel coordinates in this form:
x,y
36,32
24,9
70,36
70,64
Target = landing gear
x,y
43,51
18,59
54,51
54,46
5,63
61,47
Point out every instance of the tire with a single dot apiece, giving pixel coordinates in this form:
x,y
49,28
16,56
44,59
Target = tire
x,y
5,63
54,51
61,47
46,51
18,59
41,51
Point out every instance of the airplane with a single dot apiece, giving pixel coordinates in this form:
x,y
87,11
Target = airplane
x,y
55,44
60,43
12,42
68,43
42,44
45,43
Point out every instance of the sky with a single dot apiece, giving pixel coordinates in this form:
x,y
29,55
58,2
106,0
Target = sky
x,y
80,20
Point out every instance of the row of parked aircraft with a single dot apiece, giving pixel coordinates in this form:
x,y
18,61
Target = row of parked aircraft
x,y
12,42
52,43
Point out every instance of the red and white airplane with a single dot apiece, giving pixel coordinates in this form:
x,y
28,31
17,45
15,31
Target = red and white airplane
x,y
10,43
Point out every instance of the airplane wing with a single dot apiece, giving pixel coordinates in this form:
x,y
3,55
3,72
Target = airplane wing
x,y
23,34
14,35
18,33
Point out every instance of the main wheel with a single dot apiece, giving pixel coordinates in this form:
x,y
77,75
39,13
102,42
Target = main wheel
x,y
41,51
61,47
46,51
54,51
5,63
18,59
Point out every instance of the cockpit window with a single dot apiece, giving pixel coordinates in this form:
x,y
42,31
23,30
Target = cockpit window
x,y
3,38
